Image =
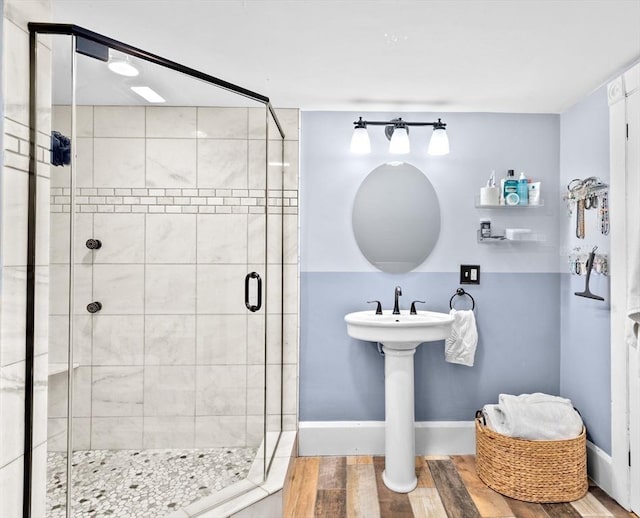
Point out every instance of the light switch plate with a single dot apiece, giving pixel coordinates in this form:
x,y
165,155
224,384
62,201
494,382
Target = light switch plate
x,y
469,274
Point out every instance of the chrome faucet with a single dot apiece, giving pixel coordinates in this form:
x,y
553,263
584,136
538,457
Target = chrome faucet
x,y
398,292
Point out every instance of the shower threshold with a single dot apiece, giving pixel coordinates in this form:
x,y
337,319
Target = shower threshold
x,y
142,483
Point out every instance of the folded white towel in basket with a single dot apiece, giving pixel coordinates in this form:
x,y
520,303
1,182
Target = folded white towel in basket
x,y
460,346
534,416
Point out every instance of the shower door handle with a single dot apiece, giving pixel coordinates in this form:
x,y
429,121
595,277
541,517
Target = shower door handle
x,y
251,307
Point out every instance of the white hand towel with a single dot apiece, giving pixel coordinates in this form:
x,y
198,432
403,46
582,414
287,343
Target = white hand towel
x,y
460,347
534,416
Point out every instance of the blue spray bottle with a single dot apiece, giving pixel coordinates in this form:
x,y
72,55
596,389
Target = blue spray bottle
x,y
523,190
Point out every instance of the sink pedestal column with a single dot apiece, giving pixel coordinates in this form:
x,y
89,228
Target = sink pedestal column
x,y
400,471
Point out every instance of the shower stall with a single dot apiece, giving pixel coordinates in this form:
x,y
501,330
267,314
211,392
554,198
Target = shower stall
x,y
168,209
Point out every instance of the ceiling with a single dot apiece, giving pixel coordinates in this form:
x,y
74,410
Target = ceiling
x,y
523,56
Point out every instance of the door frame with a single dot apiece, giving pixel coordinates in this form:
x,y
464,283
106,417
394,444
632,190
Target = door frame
x,y
625,368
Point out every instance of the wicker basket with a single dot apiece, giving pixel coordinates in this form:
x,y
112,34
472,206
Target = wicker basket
x,y
533,471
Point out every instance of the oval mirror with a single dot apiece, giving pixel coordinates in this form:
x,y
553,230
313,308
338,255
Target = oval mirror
x,y
396,217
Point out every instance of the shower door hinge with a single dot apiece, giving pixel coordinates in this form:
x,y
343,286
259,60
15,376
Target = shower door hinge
x,y
627,131
629,458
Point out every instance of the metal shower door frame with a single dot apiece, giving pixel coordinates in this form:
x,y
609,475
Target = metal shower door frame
x,y
76,32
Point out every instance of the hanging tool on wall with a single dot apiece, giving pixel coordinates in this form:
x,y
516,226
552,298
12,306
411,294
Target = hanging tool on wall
x,y
604,213
578,263
587,194
587,292
580,219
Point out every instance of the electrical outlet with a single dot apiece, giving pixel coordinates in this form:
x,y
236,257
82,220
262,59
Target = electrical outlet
x,y
469,274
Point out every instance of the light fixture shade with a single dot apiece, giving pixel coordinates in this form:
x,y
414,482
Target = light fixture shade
x,y
399,144
439,143
123,67
360,143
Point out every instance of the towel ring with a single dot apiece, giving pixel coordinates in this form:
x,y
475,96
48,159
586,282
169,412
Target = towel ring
x,y
459,293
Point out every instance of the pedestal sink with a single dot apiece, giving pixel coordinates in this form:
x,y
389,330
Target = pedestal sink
x,y
400,336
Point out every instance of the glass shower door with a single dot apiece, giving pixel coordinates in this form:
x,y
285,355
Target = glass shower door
x,y
176,282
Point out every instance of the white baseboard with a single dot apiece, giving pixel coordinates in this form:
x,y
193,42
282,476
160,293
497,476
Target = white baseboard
x,y
600,468
367,438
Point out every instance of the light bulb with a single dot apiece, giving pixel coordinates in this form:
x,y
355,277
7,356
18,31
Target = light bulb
x,y
439,143
360,143
399,144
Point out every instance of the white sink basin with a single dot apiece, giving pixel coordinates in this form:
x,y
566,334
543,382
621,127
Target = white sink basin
x,y
400,335
403,331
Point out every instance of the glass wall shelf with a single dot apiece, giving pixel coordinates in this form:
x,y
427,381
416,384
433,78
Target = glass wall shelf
x,y
530,238
480,206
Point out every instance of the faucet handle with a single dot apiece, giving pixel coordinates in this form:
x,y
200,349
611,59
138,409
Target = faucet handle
x,y
413,311
378,307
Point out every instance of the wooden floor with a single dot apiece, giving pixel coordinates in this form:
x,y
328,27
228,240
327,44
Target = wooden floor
x,y
448,487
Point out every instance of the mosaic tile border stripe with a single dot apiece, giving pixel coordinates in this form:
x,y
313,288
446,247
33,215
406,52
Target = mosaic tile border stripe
x,y
189,201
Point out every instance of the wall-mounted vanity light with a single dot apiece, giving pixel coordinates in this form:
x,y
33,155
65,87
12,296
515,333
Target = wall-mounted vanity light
x,y
397,131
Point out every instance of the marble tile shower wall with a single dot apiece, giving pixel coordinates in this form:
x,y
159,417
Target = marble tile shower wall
x,y
14,161
175,194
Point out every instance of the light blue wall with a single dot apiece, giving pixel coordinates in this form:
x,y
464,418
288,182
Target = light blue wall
x,y
585,366
342,379
517,303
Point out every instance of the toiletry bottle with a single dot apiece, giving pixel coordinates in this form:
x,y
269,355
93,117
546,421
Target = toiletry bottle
x,y
502,181
534,193
490,195
485,228
523,190
510,186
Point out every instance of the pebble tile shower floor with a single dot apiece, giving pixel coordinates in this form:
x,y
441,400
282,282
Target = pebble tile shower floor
x,y
140,484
